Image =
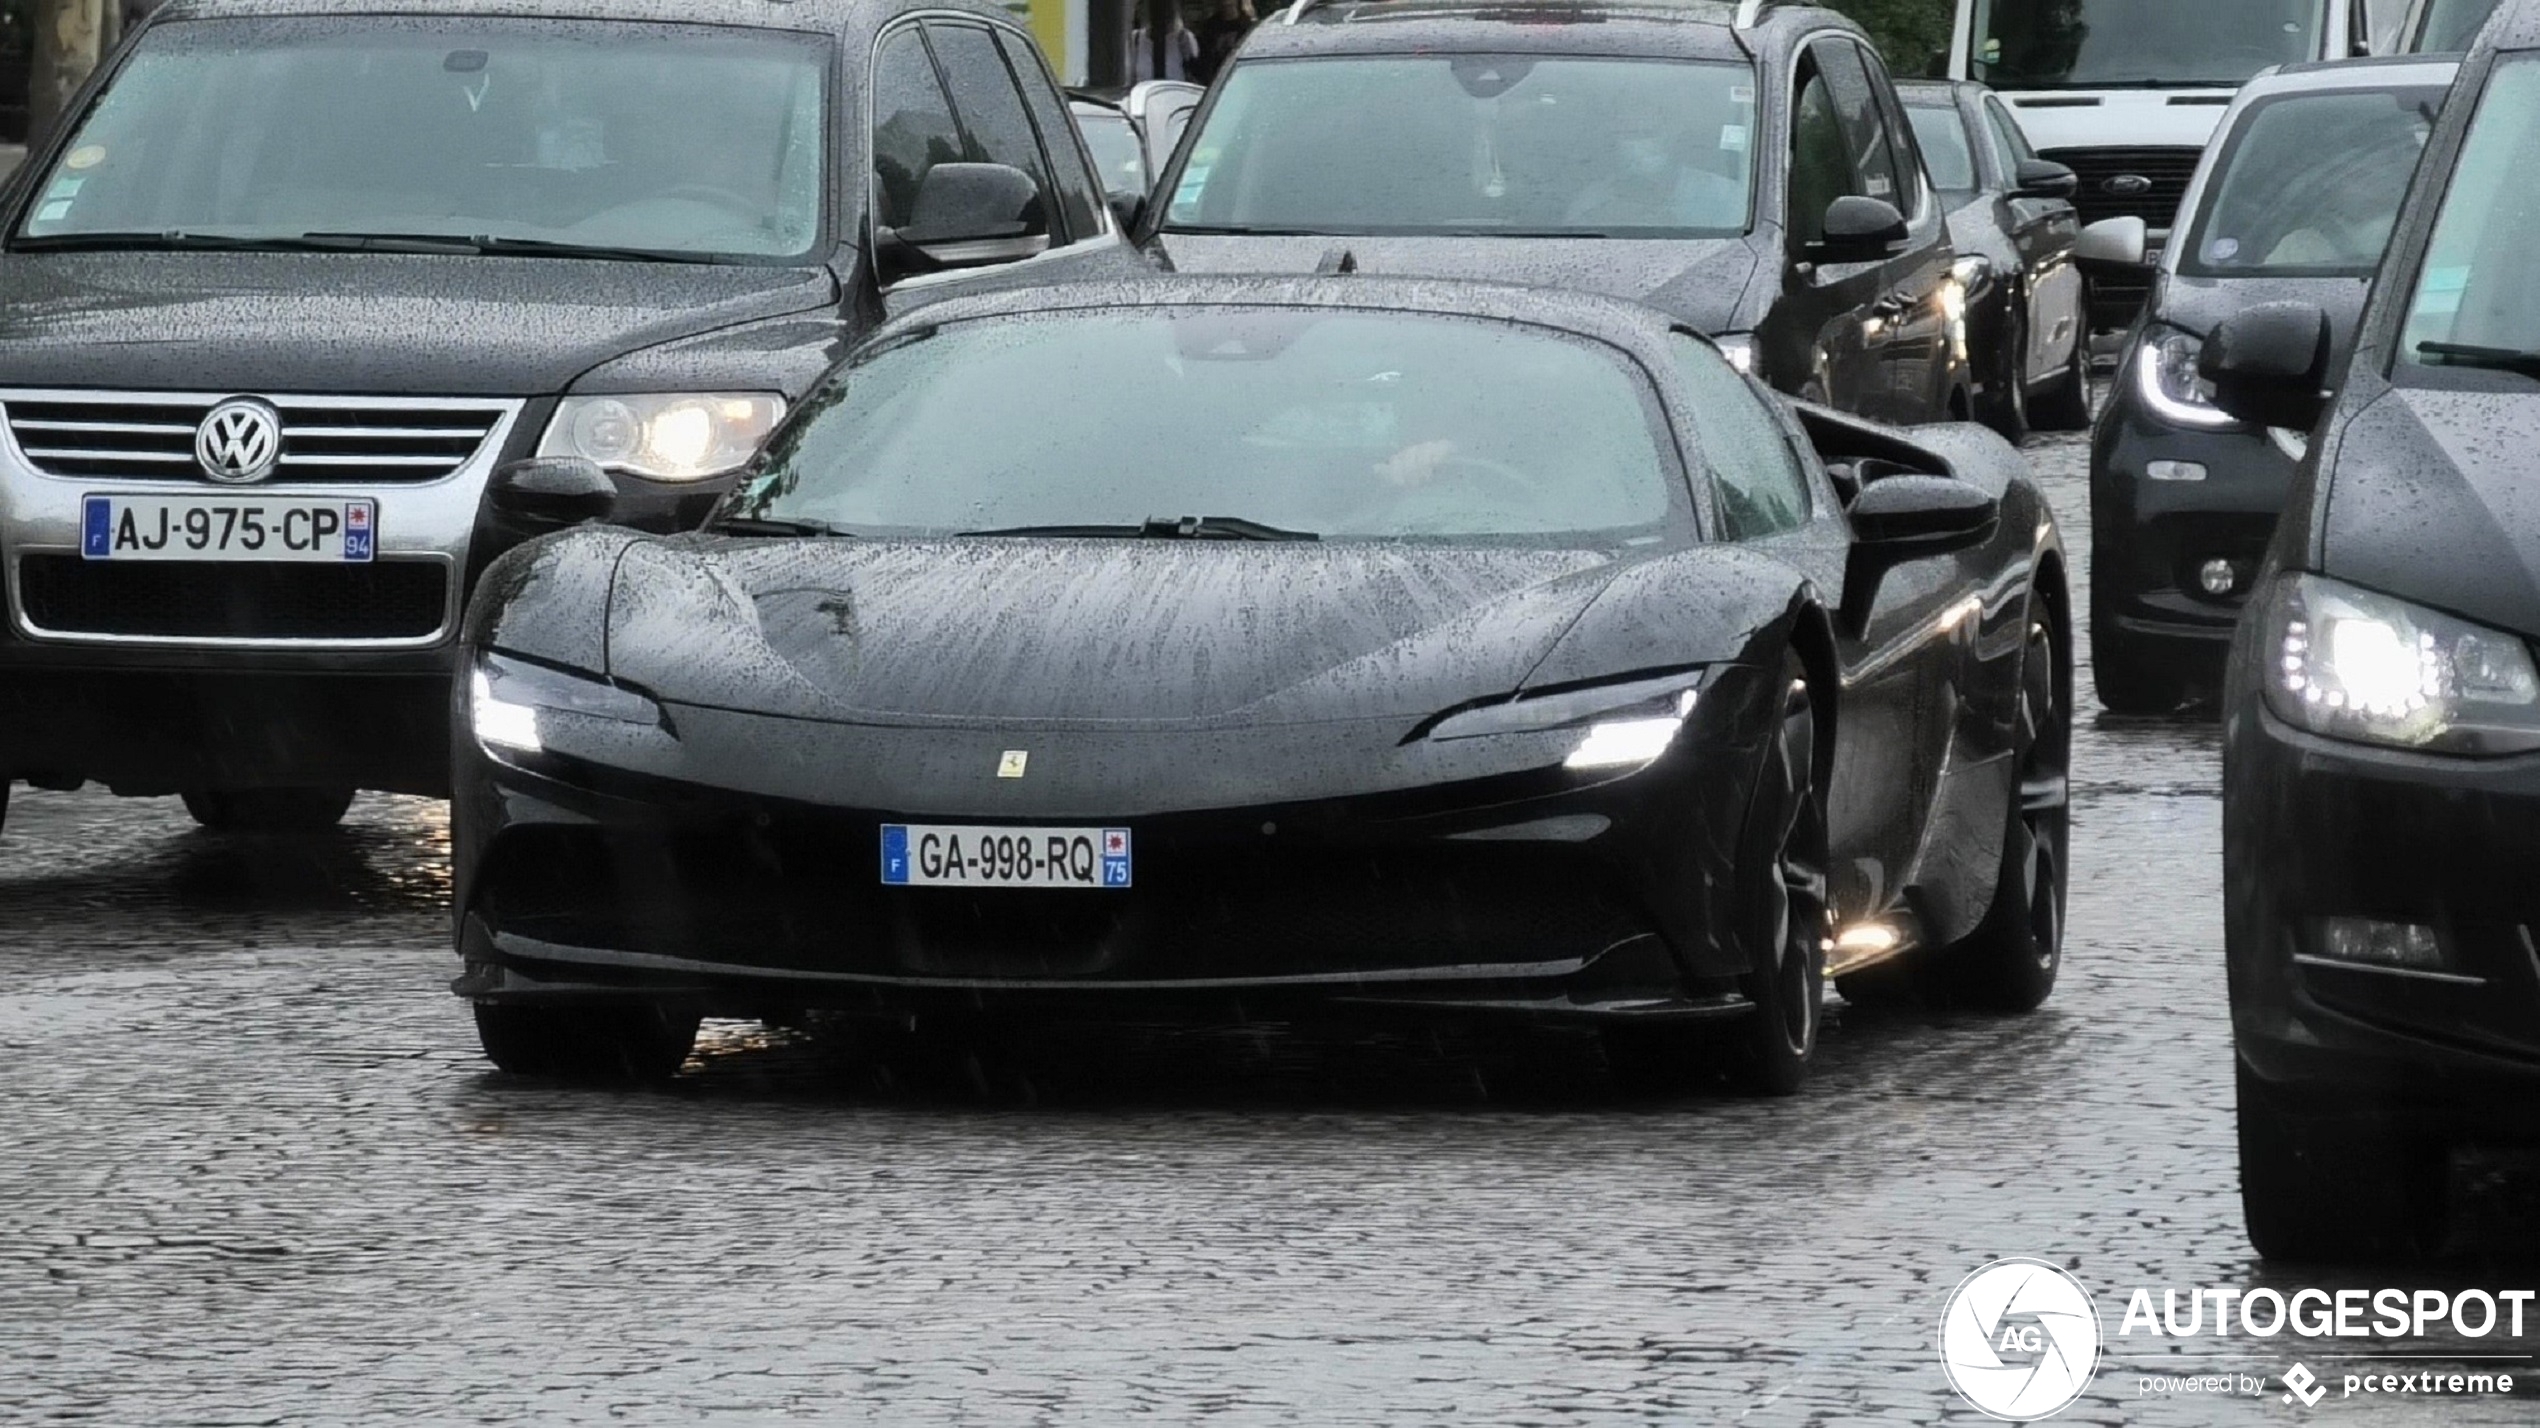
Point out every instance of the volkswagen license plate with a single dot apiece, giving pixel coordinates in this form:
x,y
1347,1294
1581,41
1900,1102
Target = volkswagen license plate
x,y
920,855
228,528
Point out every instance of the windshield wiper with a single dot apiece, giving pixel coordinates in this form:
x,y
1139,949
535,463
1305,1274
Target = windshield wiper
x,y
2469,354
177,239
1162,528
775,526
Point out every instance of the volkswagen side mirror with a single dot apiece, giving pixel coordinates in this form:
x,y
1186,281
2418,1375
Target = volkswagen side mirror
x,y
2119,244
2269,363
967,216
553,490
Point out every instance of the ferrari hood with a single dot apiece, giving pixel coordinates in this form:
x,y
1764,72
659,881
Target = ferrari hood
x,y
1044,632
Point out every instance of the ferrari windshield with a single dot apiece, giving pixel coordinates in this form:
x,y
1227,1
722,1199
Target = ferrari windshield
x,y
2083,44
1301,421
1473,144
2308,185
680,139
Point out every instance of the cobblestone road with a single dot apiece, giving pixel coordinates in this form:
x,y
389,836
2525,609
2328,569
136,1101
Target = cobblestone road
x,y
252,1170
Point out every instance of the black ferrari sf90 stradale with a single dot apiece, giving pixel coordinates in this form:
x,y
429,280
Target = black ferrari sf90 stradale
x,y
1239,643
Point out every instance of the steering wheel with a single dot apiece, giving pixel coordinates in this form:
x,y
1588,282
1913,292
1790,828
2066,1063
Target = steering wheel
x,y
1503,490
1500,474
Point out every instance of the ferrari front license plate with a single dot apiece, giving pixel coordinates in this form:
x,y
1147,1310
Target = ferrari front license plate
x,y
259,527
922,855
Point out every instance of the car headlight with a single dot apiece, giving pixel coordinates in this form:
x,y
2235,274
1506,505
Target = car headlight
x,y
2355,664
1618,726
675,436
1739,348
509,699
2165,377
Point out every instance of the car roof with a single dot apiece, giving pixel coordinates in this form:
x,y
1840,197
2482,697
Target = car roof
x,y
1615,321
2380,72
1672,29
822,16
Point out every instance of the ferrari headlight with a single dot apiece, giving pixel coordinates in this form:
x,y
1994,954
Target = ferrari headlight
x,y
2165,378
508,699
677,436
2356,664
1616,726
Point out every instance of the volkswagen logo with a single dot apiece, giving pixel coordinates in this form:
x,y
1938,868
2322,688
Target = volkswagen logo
x,y
2127,186
239,441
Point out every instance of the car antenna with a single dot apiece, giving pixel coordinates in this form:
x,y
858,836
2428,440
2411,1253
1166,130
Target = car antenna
x,y
1337,262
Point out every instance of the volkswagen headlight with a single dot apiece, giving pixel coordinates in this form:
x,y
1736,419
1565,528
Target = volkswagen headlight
x,y
1613,726
2355,664
676,436
510,701
2165,377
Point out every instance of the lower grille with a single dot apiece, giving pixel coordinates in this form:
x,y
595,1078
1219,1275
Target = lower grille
x,y
383,600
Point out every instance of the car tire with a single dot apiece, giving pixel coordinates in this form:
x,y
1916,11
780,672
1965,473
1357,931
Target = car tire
x,y
2335,1186
2008,964
269,810
1785,857
2127,681
2005,406
627,1043
2066,405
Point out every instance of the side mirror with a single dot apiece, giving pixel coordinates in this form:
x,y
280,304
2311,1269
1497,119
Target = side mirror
x,y
553,490
1860,230
2269,363
2044,178
2113,243
968,216
1922,515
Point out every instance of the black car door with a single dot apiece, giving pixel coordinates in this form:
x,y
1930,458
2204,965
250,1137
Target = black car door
x,y
1817,330
964,91
2042,230
1907,328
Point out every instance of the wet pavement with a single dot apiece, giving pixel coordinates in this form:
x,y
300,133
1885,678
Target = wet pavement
x,y
252,1170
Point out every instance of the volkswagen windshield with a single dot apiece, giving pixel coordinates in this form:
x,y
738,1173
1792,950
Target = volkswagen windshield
x,y
1474,144
2119,44
467,135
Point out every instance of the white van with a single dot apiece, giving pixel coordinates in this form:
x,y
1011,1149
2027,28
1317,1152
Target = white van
x,y
2126,92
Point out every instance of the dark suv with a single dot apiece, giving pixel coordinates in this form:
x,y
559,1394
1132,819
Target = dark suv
x,y
315,308
1748,170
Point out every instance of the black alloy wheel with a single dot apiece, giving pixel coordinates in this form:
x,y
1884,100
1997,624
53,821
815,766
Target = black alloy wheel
x,y
625,1043
269,810
1783,880
2009,963
2067,406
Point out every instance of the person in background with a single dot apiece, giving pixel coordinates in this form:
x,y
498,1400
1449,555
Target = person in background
x,y
1221,36
1161,48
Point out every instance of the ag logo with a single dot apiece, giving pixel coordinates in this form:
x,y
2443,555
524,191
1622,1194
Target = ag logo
x,y
239,441
2019,1339
2126,185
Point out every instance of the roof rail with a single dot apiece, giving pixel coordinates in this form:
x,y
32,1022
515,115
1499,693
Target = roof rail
x,y
1750,11
1297,11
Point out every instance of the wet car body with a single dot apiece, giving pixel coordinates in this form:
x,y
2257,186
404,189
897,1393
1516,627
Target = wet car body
x,y
2381,789
2176,486
2026,305
404,375
1865,330
1279,727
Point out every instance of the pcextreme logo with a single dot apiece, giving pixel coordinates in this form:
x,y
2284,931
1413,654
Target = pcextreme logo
x,y
2019,1339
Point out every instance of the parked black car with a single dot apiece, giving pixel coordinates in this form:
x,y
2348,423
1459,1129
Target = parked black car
x,y
304,281
2294,199
1344,642
1749,171
2381,713
2024,305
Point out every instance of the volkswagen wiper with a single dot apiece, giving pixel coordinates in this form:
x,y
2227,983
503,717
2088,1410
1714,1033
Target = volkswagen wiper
x,y
775,526
2469,354
178,239
1162,528
553,248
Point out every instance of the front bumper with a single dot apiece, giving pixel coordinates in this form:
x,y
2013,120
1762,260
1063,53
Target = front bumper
x,y
1518,889
2150,539
2317,828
